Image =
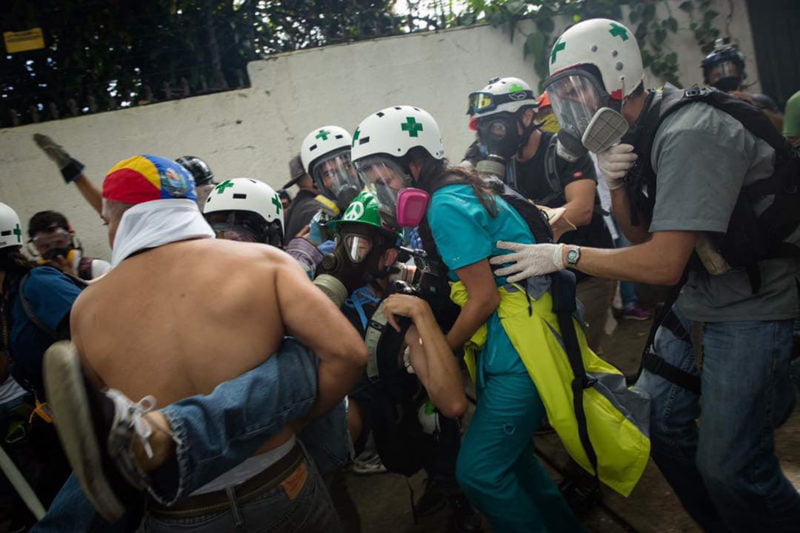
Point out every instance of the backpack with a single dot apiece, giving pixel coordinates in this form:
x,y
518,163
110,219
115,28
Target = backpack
x,y
749,238
27,308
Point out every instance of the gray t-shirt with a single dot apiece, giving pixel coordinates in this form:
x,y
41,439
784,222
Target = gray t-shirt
x,y
702,157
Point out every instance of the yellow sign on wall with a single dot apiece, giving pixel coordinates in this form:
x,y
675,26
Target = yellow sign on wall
x,y
23,41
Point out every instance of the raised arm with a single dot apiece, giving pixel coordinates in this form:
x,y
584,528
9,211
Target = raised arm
x,y
71,170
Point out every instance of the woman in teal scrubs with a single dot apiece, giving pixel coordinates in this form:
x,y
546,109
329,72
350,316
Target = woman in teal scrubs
x,y
399,147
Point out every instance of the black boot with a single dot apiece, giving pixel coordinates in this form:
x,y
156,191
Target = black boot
x,y
465,518
432,500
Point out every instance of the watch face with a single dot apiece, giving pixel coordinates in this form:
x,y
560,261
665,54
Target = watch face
x,y
573,255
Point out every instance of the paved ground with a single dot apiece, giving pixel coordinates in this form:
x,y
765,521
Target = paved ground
x,y
384,501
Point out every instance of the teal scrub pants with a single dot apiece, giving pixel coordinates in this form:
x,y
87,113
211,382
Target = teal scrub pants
x,y
496,467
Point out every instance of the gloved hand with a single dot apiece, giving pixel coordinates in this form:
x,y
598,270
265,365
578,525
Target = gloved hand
x,y
614,164
528,260
70,168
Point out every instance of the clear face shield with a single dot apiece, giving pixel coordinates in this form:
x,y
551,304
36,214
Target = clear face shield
x,y
356,246
337,179
238,226
725,76
384,179
580,103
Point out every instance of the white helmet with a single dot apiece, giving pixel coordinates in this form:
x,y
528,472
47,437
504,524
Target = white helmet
x,y
321,142
396,130
244,196
325,154
606,44
10,229
502,95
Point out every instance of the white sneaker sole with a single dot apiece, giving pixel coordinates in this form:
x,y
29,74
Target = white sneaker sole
x,y
67,398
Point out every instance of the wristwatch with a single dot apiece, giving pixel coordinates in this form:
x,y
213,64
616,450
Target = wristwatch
x,y
573,255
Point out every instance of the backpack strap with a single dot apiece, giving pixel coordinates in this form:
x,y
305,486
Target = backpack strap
x,y
654,362
28,309
551,172
563,293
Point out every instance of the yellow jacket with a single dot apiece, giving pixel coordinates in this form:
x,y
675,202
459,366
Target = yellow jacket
x,y
617,417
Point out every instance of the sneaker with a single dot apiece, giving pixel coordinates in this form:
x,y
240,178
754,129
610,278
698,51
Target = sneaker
x,y
465,518
634,312
368,463
432,499
96,429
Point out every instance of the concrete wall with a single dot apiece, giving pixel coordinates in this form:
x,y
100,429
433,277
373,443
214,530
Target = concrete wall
x,y
253,132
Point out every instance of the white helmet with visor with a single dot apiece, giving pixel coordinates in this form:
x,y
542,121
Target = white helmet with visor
x,y
380,146
502,95
244,209
325,153
594,66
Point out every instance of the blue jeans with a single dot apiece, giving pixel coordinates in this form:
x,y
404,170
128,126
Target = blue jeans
x,y
722,465
277,510
220,430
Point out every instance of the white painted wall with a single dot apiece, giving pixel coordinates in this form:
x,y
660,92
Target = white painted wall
x,y
253,132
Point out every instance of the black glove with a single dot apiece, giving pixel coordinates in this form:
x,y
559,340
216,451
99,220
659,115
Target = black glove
x,y
70,168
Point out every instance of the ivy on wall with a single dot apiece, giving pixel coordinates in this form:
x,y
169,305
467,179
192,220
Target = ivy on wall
x,y
650,25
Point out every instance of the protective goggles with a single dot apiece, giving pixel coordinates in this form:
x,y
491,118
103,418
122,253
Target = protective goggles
x,y
356,246
335,174
576,95
243,226
52,238
724,69
482,102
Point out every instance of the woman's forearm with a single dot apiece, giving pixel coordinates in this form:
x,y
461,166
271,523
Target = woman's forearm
x,y
472,316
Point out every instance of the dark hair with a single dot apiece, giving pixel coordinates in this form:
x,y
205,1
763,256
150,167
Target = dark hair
x,y
283,193
432,173
435,170
13,262
44,220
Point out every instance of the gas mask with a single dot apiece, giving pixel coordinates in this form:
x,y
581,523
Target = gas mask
x,y
356,257
499,134
54,242
384,178
581,105
337,180
725,75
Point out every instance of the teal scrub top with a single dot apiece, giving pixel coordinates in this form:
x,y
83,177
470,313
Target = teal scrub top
x,y
465,233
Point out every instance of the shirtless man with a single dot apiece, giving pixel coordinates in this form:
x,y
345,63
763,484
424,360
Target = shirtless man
x,y
260,295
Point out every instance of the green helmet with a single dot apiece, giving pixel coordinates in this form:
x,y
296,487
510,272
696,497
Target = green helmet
x,y
364,209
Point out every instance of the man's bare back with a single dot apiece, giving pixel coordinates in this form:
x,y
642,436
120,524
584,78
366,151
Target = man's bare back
x,y
177,320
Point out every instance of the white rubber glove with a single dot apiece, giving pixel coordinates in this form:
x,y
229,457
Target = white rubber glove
x,y
528,260
614,163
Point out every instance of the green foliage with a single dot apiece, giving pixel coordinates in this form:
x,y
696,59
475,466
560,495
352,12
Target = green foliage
x,y
650,27
106,54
